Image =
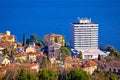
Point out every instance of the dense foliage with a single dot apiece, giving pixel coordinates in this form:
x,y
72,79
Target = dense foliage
x,y
47,74
101,75
65,52
113,52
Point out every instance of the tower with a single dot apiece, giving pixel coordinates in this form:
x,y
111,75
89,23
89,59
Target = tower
x,y
84,34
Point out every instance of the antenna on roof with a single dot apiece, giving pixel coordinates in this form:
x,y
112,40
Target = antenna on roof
x,y
78,19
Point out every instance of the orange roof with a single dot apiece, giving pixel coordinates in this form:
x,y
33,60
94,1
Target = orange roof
x,y
9,67
4,44
71,59
28,65
102,60
2,74
37,47
20,54
6,56
89,63
21,47
34,53
95,60
10,37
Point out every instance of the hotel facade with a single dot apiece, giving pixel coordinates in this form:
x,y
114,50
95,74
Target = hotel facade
x,y
84,34
84,37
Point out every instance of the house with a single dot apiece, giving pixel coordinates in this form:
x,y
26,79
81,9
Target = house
x,y
54,38
2,74
92,53
72,62
4,60
30,49
32,56
20,49
5,44
31,66
54,49
20,57
12,67
8,37
52,59
40,57
113,66
89,66
1,49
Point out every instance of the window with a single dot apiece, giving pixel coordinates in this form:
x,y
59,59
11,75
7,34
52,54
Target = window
x,y
119,71
114,70
109,69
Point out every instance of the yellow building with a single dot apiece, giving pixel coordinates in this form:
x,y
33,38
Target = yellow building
x,y
20,57
4,60
30,49
8,37
54,38
90,66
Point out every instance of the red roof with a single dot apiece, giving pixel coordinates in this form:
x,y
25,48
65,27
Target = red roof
x,y
20,54
89,63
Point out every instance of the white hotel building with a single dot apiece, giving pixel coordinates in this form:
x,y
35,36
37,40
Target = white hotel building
x,y
84,37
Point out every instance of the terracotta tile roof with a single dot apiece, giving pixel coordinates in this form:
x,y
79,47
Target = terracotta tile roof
x,y
89,63
2,74
20,54
28,65
102,60
34,53
9,67
71,59
21,47
8,37
95,60
77,65
6,56
4,44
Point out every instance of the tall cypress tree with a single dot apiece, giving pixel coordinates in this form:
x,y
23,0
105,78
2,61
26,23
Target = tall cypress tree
x,y
24,40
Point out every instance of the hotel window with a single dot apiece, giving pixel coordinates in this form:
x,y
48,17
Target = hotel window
x,y
109,69
114,70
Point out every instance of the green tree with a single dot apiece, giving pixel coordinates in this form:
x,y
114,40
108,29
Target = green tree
x,y
80,55
40,43
113,51
111,76
26,75
6,51
62,74
34,37
77,74
65,52
67,44
24,40
99,75
11,75
22,75
47,74
45,62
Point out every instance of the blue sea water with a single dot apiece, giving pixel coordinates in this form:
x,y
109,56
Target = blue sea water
x,y
55,16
